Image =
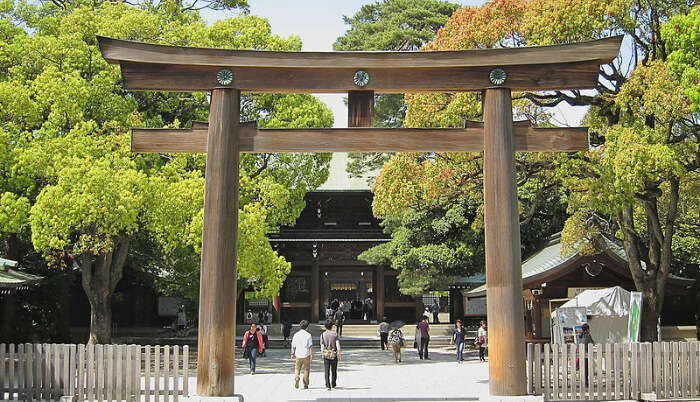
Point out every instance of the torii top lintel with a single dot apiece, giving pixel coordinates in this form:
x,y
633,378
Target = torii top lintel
x,y
171,68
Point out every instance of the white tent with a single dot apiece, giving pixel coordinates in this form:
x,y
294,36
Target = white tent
x,y
607,311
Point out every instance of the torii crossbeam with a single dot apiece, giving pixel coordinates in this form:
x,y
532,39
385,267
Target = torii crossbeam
x,y
227,73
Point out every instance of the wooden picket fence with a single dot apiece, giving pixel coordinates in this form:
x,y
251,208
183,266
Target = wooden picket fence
x,y
659,370
93,372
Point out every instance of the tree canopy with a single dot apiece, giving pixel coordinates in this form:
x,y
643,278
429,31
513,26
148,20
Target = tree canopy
x,y
639,181
69,176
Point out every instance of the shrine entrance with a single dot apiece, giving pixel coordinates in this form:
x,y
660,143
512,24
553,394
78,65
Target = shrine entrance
x,y
494,72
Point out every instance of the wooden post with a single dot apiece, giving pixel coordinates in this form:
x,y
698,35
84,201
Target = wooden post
x,y
502,243
276,309
361,109
315,288
217,289
379,292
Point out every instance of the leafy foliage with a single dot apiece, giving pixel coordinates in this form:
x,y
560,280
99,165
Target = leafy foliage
x,y
65,118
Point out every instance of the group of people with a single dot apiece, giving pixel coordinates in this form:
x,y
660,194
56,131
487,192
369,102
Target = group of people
x,y
255,343
262,316
357,309
302,353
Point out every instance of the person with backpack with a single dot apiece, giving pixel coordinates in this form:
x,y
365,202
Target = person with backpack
x,y
458,335
383,333
330,350
339,317
396,341
252,345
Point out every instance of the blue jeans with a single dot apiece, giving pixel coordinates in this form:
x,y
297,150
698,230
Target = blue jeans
x,y
253,355
460,348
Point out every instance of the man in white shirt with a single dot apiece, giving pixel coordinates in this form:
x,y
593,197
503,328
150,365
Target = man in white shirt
x,y
302,353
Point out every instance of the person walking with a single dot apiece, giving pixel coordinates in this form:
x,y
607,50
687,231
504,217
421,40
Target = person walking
x,y
302,353
458,335
396,342
286,330
263,332
252,345
330,350
436,311
482,340
383,332
424,329
339,317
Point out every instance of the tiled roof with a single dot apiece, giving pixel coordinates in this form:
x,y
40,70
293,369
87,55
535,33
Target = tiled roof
x,y
13,279
550,258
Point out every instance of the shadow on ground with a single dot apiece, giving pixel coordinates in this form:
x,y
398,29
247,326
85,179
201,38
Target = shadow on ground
x,y
278,360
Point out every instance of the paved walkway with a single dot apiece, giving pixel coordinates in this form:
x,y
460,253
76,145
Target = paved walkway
x,y
367,375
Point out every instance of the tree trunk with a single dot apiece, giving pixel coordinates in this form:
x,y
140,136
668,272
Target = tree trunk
x,y
651,313
101,320
100,275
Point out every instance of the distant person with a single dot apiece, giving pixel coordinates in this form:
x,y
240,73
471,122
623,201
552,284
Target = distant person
x,y
335,304
261,316
424,329
458,336
370,307
383,332
330,350
329,313
416,337
339,318
263,332
302,353
365,311
286,330
181,319
482,340
249,317
252,346
585,339
396,341
436,312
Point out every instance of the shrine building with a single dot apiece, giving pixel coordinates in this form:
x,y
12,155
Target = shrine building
x,y
333,229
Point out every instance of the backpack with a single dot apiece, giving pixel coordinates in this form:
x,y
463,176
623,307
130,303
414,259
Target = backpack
x,y
328,353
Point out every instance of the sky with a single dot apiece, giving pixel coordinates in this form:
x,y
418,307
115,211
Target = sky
x,y
320,22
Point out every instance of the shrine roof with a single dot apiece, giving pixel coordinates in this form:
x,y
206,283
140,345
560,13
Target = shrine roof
x,y
11,279
550,259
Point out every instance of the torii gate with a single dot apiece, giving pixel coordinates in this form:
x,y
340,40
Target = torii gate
x,y
226,73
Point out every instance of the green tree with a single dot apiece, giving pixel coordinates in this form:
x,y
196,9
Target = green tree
x,y
399,25
66,119
631,187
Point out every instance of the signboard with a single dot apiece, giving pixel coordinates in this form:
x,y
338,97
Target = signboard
x,y
635,316
569,323
168,306
573,292
475,307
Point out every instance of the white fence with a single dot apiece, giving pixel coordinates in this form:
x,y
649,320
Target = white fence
x,y
662,370
93,372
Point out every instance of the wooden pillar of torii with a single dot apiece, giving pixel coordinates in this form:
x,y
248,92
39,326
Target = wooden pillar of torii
x,y
227,73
